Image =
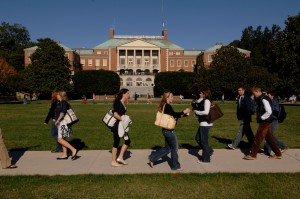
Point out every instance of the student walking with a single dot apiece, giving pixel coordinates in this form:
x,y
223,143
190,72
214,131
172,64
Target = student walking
x,y
243,113
264,119
204,104
171,143
119,109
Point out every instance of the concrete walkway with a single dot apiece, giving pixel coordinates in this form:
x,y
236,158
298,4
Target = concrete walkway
x,y
98,162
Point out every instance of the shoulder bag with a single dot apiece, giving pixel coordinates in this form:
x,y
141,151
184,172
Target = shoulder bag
x,y
70,117
165,120
109,119
214,113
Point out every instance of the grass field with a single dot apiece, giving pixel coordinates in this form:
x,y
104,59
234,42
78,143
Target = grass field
x,y
23,126
23,129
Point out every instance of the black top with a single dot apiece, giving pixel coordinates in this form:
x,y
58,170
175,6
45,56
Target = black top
x,y
51,113
170,111
260,110
62,107
243,111
121,110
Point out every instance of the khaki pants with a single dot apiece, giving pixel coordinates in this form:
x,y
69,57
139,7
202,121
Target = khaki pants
x,y
4,157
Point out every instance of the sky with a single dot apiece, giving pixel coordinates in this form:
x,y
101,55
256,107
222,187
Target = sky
x,y
191,24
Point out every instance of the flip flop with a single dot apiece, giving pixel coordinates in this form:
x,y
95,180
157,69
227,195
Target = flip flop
x,y
11,167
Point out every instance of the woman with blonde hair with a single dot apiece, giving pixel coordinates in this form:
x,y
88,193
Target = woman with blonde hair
x,y
171,143
64,130
51,115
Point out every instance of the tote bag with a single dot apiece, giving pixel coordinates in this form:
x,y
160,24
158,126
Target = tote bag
x,y
214,113
70,117
164,120
109,119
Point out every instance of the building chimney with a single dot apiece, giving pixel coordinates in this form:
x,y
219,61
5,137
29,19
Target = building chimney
x,y
165,34
111,33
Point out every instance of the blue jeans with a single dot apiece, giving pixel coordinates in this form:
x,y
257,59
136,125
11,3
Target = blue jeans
x,y
280,144
171,145
54,134
203,142
245,129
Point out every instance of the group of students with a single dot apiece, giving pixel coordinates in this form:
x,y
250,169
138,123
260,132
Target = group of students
x,y
267,112
265,118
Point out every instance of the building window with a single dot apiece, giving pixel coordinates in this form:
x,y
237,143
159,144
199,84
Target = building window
x,y
122,53
210,58
148,82
177,53
122,61
98,52
139,82
146,61
82,61
90,62
155,53
129,82
67,55
170,53
154,61
138,61
97,62
147,53
130,61
172,63
193,63
186,63
178,63
121,82
104,62
105,53
138,53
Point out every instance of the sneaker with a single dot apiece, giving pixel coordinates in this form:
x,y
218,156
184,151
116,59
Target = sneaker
x,y
275,157
179,169
249,157
230,146
203,162
283,150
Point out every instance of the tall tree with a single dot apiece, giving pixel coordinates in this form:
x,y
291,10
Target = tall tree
x,y
13,39
50,68
284,58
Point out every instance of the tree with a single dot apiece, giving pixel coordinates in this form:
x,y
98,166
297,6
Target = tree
x,y
284,58
96,81
50,68
230,69
13,39
185,83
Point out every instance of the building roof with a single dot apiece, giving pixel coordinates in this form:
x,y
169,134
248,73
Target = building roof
x,y
61,45
111,43
219,45
192,52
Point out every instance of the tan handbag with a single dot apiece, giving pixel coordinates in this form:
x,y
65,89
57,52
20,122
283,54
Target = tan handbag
x,y
164,120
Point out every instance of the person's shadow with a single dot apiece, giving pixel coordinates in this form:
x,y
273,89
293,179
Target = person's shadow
x,y
17,153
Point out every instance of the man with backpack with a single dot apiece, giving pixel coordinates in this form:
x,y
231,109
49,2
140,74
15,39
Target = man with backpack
x,y
276,109
243,113
264,119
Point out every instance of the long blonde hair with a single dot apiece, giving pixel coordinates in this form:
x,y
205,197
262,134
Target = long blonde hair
x,y
163,100
63,95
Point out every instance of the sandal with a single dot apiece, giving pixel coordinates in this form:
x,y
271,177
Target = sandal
x,y
11,167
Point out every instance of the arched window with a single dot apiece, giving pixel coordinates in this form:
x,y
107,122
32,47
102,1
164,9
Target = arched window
x,y
128,81
138,71
147,72
139,81
148,81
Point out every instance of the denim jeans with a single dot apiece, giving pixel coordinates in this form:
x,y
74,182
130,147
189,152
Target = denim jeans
x,y
171,145
245,129
206,149
54,135
280,144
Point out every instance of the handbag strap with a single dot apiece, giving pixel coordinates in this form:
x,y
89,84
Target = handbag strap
x,y
163,108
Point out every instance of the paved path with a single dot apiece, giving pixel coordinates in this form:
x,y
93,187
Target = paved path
x,y
98,162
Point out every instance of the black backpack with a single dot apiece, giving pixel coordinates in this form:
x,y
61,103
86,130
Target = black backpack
x,y
282,113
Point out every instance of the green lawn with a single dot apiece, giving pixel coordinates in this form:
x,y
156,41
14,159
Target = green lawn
x,y
23,129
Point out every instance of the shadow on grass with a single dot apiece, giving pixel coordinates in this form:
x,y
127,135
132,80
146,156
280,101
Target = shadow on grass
x,y
17,153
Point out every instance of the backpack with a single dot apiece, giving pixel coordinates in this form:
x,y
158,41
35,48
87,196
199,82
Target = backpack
x,y
282,114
